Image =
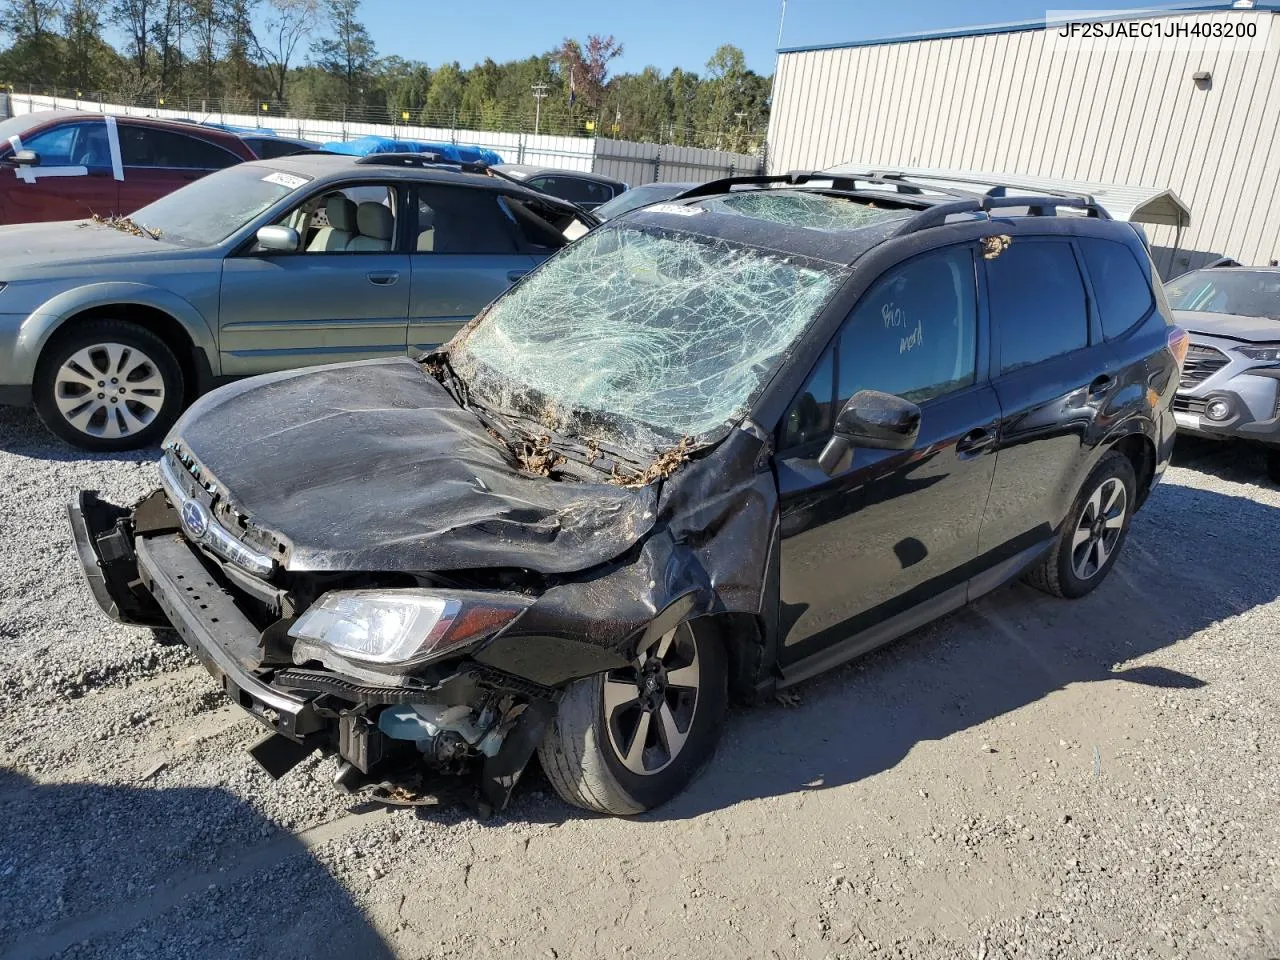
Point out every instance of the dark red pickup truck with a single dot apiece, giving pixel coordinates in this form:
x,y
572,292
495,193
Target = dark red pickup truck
x,y
87,163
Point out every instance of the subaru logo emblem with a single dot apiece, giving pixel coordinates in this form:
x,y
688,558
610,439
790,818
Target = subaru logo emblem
x,y
194,519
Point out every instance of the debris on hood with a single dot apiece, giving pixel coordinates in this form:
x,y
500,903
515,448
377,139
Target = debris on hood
x,y
124,225
663,465
537,457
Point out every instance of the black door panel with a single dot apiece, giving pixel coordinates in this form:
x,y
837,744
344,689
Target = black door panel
x,y
1051,385
1049,417
855,546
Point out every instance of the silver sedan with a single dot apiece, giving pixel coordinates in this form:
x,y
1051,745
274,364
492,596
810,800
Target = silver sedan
x,y
110,327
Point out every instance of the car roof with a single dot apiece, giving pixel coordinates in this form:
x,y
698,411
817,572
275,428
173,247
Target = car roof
x,y
833,242
532,170
212,134
335,166
276,136
836,246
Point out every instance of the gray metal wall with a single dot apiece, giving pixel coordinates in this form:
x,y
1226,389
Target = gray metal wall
x,y
637,163
1004,102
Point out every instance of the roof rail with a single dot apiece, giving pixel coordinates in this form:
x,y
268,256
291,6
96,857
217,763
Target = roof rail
x,y
407,160
1037,206
995,188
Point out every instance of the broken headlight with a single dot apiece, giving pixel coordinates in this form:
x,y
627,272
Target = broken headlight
x,y
396,630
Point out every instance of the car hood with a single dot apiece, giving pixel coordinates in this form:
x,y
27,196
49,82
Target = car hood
x,y
372,466
1251,329
27,245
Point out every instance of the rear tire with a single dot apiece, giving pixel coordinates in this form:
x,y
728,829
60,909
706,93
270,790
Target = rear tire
x,y
629,740
108,385
1092,534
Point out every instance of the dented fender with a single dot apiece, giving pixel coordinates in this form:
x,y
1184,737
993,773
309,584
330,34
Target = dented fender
x,y
707,555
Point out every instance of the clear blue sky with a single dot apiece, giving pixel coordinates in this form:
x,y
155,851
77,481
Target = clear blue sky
x,y
670,33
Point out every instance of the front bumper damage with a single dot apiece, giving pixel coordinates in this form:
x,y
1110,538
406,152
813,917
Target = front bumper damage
x,y
142,570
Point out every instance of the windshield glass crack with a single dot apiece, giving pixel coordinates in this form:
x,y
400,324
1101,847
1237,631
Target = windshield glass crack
x,y
641,337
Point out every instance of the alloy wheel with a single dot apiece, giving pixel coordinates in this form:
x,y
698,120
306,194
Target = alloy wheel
x,y
649,705
1099,527
109,390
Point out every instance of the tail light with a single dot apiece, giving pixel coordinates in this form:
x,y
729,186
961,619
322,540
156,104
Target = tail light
x,y
1179,341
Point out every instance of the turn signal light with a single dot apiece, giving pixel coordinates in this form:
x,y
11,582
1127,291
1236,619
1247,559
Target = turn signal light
x,y
1179,341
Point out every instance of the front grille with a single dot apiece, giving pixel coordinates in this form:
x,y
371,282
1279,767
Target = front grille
x,y
1201,363
1184,405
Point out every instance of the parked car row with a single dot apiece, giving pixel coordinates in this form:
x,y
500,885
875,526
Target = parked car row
x,y
70,165
672,465
111,328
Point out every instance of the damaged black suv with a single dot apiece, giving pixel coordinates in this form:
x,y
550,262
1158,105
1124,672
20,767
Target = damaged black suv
x,y
704,452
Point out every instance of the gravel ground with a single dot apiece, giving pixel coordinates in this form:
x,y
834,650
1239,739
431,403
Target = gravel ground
x,y
1027,778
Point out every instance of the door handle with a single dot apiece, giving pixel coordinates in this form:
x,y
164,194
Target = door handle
x,y
975,441
514,275
383,279
1101,385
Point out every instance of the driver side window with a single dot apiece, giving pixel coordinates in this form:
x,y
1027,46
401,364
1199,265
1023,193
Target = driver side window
x,y
72,145
357,219
913,334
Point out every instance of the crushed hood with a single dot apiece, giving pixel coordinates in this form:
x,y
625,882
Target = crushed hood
x,y
372,466
73,242
1250,329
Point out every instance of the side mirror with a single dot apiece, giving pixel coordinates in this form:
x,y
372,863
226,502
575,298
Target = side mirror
x,y
25,158
871,419
282,239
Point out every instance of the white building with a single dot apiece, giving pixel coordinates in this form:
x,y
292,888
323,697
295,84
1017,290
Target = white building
x,y
1159,103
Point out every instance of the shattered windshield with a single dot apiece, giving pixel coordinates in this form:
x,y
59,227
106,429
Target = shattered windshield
x,y
795,209
664,331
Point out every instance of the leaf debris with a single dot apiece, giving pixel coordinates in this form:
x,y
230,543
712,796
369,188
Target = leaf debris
x,y
124,225
992,247
537,457
663,466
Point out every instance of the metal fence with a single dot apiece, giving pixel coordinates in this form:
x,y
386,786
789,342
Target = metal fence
x,y
633,162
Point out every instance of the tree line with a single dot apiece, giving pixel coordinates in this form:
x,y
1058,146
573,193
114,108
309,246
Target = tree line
x,y
315,58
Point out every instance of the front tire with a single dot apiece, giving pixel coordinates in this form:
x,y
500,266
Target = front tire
x,y
108,385
629,740
1093,533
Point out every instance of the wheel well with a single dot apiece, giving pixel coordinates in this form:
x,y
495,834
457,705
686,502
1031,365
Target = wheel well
x,y
163,325
1142,454
742,636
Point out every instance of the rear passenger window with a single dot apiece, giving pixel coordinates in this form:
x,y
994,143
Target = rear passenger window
x,y
152,147
1120,285
461,220
1037,302
574,189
